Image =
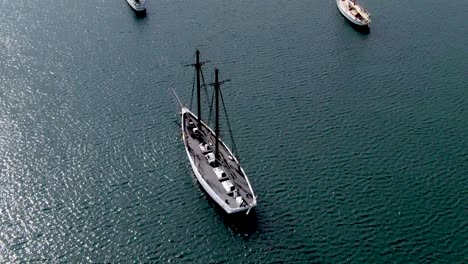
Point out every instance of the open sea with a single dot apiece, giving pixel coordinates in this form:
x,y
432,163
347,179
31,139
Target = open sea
x,y
355,142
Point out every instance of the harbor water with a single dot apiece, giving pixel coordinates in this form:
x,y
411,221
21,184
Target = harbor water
x,y
355,141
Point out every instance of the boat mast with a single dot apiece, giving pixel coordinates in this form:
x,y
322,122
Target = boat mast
x,y
198,64
198,69
216,87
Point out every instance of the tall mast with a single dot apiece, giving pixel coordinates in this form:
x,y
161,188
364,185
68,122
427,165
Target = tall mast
x,y
198,69
216,87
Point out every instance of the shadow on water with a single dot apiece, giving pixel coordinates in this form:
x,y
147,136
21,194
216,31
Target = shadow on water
x,y
140,19
246,226
140,15
363,30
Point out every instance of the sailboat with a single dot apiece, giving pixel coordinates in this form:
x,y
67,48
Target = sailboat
x,y
137,5
215,166
353,12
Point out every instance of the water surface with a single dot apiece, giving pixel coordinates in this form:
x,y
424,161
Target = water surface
x,y
355,142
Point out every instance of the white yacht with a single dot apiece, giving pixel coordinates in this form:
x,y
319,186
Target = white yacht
x,y
137,5
353,12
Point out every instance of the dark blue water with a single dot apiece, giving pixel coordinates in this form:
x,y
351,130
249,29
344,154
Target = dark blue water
x,y
356,143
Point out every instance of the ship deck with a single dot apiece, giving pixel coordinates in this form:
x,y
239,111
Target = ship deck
x,y
227,162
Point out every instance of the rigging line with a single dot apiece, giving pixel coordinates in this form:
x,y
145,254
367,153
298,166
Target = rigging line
x,y
234,147
193,82
204,85
210,115
193,90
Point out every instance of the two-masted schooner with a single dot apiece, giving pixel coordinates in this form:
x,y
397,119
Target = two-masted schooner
x,y
215,166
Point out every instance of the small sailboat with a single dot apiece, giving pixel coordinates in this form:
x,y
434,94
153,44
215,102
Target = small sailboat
x,y
137,5
215,166
353,12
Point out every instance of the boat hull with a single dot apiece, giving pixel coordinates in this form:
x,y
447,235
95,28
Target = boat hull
x,y
209,190
137,7
341,4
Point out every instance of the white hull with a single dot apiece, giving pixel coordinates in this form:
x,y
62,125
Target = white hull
x,y
137,6
353,12
202,181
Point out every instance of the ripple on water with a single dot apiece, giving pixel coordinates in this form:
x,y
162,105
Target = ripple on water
x,y
353,160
